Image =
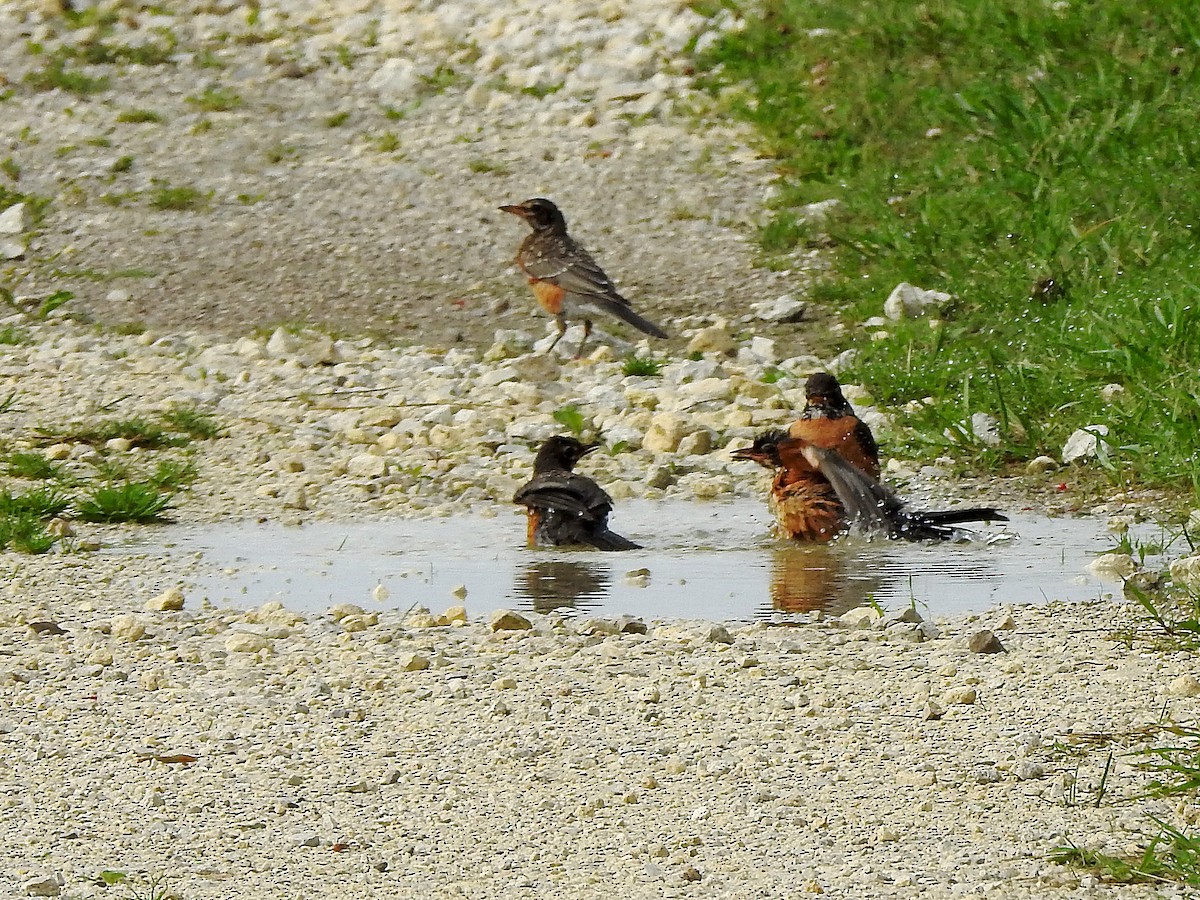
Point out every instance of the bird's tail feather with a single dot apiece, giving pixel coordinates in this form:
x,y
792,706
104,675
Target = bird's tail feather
x,y
625,313
872,506
610,540
953,516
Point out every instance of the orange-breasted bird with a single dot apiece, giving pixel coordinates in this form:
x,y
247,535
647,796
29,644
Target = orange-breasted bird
x,y
829,421
563,276
818,493
564,507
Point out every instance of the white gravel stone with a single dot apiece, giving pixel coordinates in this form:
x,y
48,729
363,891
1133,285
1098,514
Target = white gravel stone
x,y
782,309
246,642
907,301
170,599
1185,686
1113,565
16,219
963,695
1186,571
1085,443
860,617
713,339
986,428
366,465
509,620
665,433
43,886
413,662
127,628
1041,464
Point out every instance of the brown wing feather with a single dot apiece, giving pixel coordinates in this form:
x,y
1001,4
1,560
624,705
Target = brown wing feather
x,y
566,492
558,259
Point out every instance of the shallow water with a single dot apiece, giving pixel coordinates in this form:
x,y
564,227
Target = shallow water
x,y
702,560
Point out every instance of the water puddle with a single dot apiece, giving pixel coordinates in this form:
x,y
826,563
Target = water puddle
x,y
702,560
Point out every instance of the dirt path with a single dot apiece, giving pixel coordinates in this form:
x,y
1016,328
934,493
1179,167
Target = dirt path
x,y
327,194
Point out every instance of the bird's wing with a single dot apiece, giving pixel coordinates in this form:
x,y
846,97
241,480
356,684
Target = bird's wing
x,y
869,503
572,268
566,492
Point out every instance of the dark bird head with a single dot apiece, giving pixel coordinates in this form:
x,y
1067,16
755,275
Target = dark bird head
x,y
540,213
561,452
822,384
823,392
764,450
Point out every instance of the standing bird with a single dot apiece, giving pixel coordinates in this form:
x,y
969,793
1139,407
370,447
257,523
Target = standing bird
x,y
566,508
818,493
829,421
565,279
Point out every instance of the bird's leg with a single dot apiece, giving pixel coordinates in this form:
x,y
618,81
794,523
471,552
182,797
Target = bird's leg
x,y
562,329
587,329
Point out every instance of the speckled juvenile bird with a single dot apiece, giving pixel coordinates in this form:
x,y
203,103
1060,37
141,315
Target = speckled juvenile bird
x,y
564,278
564,507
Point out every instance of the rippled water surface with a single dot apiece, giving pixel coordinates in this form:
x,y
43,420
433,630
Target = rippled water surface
x,y
706,560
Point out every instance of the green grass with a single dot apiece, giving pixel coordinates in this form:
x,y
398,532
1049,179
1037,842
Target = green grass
x,y
41,503
1169,753
172,475
443,78
11,335
986,150
542,91
571,417
24,518
176,427
279,152
178,197
192,422
641,365
216,99
487,167
1171,855
140,115
37,205
25,533
132,501
140,432
386,142
55,75
33,466
150,53
51,303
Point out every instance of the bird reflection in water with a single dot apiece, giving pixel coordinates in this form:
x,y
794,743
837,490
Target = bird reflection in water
x,y
813,577
551,584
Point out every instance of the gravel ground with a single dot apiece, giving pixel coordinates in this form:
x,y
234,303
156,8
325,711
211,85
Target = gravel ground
x,y
263,754
381,223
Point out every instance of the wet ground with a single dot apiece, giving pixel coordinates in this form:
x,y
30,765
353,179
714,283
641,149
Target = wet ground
x,y
704,560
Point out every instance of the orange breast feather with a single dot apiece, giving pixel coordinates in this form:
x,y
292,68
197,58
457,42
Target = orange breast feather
x,y
840,435
550,296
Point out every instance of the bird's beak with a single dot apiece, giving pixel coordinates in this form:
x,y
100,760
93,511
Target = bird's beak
x,y
588,448
747,453
516,209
